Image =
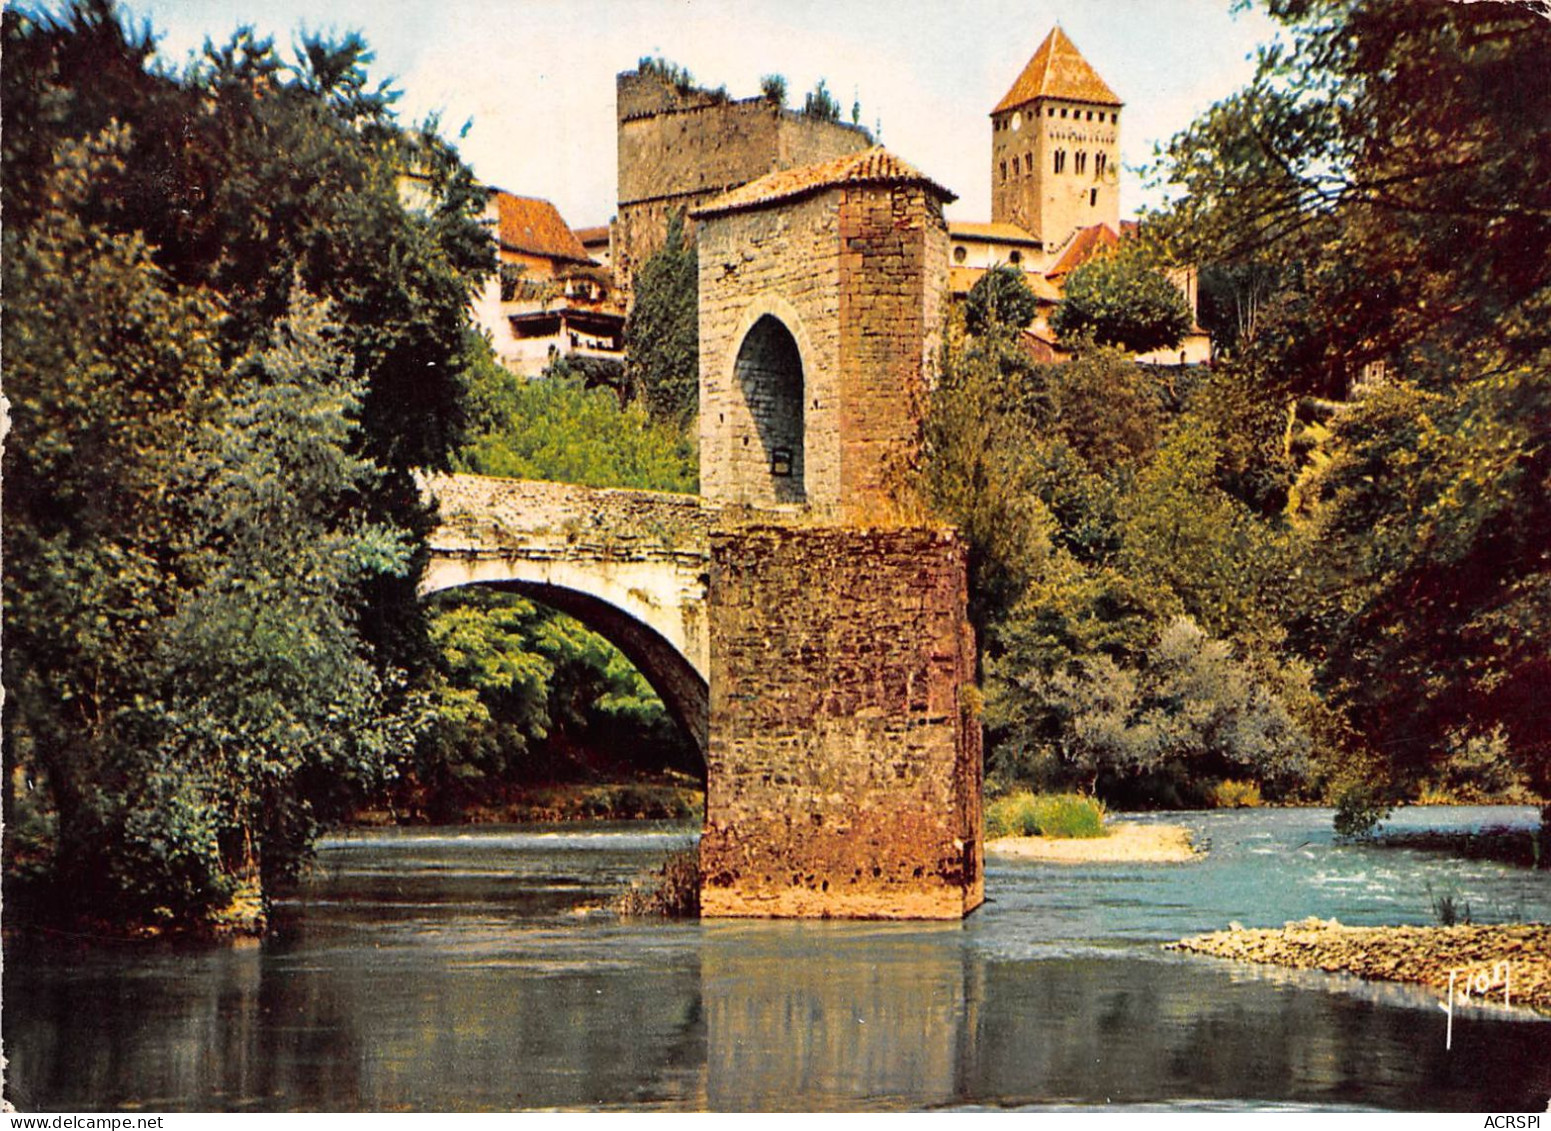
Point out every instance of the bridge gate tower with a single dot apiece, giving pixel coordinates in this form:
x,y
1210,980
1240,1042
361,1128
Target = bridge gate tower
x,y
843,754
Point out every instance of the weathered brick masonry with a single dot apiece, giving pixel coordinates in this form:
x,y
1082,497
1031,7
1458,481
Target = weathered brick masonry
x,y
850,259
844,760
891,262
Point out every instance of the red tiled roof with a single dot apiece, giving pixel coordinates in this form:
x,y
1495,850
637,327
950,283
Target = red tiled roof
x,y
1042,348
871,166
534,226
1058,70
1087,243
597,234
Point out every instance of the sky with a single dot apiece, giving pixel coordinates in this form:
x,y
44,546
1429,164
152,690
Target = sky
x,y
531,82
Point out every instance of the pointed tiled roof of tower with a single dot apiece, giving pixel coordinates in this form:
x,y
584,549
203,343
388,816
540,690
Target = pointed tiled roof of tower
x,y
1058,70
869,167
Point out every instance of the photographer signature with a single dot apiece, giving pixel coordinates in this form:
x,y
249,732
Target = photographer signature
x,y
1479,981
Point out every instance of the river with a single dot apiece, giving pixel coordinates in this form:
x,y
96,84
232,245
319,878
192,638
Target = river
x,y
463,969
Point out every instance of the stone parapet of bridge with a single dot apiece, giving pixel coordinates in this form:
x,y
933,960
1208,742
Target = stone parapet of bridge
x,y
633,565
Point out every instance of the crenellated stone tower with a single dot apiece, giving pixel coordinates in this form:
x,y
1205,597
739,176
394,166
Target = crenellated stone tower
x,y
1055,147
843,759
681,146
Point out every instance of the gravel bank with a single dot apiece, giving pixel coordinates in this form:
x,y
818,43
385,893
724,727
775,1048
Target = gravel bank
x,y
1401,954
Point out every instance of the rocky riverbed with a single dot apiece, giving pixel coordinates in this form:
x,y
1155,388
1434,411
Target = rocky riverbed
x,y
1424,955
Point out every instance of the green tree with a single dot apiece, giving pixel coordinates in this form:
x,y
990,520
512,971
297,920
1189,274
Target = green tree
x,y
556,428
251,177
180,655
210,493
773,87
1378,158
95,538
1184,531
269,707
1107,408
1427,527
821,104
662,334
530,695
1380,151
1189,714
1000,299
1089,494
1120,299
980,471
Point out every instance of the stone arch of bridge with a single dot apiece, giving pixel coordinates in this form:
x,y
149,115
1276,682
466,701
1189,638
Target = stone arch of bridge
x,y
769,369
682,688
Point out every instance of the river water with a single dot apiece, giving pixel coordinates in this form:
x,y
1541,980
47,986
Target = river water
x,y
464,969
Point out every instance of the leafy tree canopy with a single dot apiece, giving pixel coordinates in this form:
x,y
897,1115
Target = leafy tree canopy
x,y
557,428
999,301
229,341
1120,299
662,334
821,104
1369,207
773,87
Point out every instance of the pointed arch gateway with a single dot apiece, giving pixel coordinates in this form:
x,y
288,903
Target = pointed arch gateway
x,y
768,372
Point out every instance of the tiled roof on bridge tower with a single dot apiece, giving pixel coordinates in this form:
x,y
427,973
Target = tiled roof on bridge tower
x,y
1058,70
873,166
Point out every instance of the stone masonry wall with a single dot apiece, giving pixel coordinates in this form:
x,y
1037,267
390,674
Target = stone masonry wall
x,y
844,763
894,255
679,149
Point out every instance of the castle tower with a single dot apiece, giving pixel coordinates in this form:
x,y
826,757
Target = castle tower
x,y
1055,147
680,146
820,292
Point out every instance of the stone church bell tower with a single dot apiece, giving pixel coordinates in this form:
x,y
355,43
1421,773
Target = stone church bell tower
x,y
1055,147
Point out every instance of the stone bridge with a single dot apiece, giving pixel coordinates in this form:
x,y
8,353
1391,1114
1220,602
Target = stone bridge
x,y
631,565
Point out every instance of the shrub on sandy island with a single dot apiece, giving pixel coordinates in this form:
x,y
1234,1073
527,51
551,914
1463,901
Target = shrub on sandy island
x,y
673,890
1045,814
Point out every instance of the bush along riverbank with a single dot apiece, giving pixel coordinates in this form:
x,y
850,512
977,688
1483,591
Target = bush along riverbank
x,y
1493,957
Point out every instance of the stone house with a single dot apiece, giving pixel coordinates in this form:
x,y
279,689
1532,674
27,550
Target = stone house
x,y
550,297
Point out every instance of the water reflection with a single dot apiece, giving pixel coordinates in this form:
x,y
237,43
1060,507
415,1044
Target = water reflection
x,y
464,971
